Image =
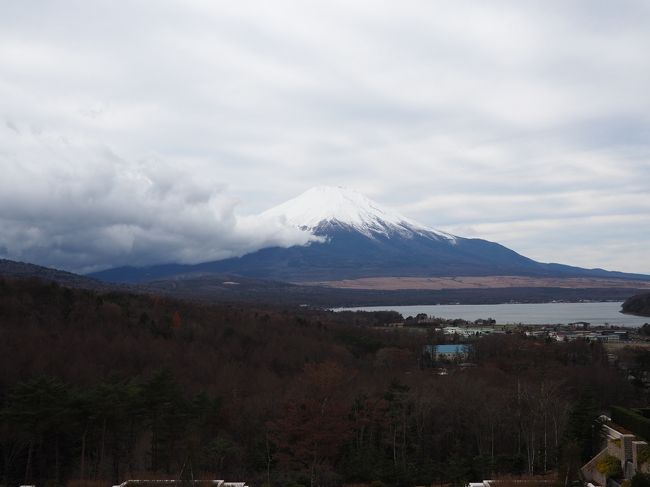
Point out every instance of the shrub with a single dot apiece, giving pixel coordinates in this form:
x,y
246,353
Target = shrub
x,y
643,454
641,480
610,466
633,420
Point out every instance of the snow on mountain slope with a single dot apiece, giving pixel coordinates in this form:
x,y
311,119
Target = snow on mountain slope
x,y
323,205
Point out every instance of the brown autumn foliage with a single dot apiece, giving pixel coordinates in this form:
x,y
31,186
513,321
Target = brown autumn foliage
x,y
102,387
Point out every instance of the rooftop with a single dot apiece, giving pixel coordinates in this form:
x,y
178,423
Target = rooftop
x,y
456,348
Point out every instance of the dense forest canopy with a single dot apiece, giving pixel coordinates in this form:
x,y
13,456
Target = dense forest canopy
x,y
97,388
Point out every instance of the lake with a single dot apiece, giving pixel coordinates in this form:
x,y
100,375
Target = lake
x,y
528,314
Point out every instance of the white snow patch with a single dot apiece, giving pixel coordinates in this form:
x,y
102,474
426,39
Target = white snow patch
x,y
328,204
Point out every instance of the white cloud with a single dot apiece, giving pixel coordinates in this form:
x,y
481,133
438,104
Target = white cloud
x,y
79,206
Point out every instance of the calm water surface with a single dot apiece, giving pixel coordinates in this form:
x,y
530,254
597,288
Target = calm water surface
x,y
528,314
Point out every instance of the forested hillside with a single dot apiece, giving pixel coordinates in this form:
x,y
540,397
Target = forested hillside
x,y
97,388
24,270
638,305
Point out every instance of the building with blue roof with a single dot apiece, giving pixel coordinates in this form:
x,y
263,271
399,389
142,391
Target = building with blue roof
x,y
454,351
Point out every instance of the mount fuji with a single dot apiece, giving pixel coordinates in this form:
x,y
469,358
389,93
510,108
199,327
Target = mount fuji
x,y
324,209
355,237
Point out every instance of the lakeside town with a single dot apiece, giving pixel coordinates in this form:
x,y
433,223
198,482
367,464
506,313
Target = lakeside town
x,y
449,341
458,328
622,456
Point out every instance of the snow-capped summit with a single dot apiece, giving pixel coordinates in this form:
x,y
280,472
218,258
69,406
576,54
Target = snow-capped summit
x,y
323,206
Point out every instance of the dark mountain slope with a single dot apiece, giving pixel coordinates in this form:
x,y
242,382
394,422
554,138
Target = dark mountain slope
x,y
349,254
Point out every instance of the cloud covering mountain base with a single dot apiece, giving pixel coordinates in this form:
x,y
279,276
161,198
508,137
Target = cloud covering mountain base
x,y
76,205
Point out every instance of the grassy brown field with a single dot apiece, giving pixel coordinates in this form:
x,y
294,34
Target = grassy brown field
x,y
479,282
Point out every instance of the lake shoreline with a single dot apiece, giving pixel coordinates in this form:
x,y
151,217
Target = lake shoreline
x,y
534,314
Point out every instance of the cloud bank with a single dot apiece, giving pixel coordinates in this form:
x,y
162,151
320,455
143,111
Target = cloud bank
x,y
76,205
129,134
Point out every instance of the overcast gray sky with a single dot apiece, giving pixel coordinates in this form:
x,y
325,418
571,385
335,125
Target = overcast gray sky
x,y
142,132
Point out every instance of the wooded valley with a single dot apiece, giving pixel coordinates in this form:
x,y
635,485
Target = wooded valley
x,y
97,388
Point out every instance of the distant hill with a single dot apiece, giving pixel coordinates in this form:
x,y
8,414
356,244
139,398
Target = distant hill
x,y
638,305
10,268
230,288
